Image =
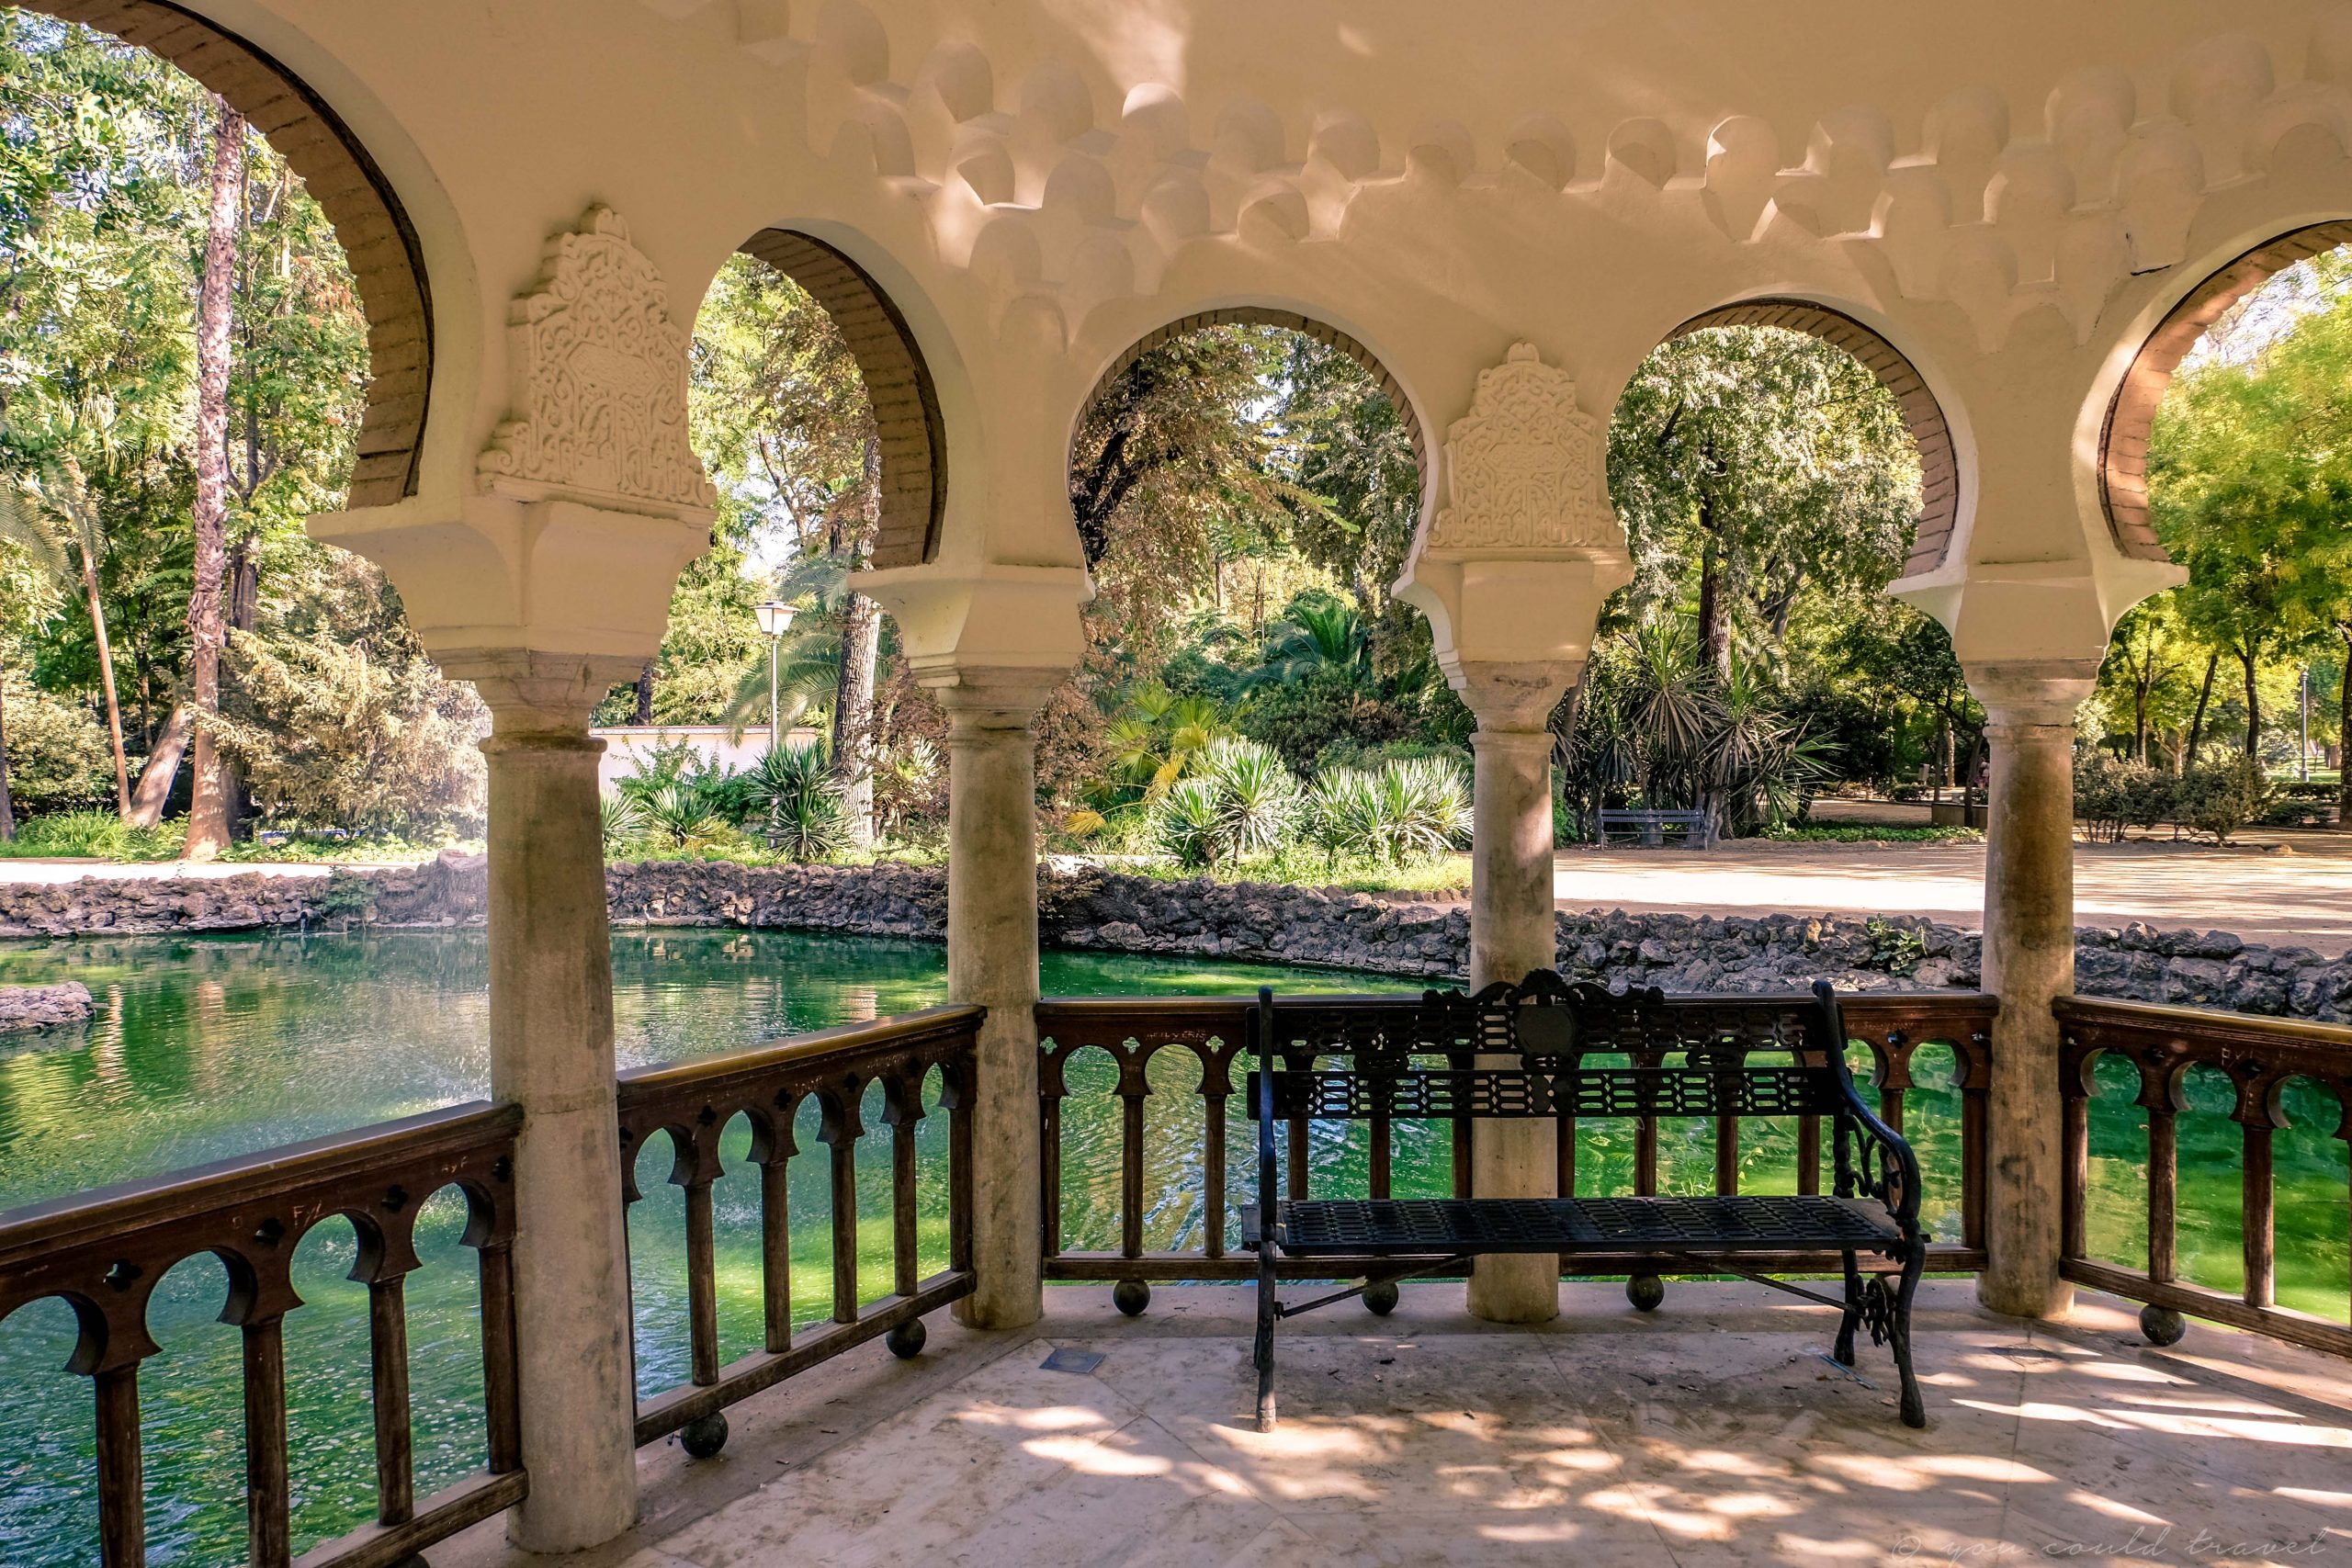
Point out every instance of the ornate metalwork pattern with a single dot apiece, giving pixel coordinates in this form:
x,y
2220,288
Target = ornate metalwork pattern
x,y
693,1101
104,1252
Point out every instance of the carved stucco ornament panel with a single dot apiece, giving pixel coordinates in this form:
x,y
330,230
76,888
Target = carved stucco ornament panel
x,y
1526,469
600,385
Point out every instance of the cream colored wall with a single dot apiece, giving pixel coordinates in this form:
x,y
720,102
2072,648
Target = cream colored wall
x,y
2010,192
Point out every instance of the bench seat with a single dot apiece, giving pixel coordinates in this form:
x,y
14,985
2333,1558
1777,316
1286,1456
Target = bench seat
x,y
1349,1227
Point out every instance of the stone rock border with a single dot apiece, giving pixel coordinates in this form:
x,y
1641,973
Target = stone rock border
x,y
1084,906
42,1007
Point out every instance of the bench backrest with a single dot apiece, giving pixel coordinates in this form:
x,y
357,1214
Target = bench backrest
x,y
1528,1050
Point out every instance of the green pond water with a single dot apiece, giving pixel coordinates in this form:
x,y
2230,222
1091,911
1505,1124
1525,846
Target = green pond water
x,y
209,1047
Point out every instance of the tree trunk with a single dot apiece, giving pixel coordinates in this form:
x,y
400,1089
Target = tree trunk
x,y
7,805
105,682
207,816
162,767
2343,733
854,689
1715,642
244,614
2197,724
2253,703
644,715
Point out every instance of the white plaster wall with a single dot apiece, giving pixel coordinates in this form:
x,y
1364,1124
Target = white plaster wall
x,y
628,745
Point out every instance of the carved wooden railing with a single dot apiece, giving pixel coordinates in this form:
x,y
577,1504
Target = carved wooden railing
x,y
693,1101
1213,1030
2258,1056
104,1252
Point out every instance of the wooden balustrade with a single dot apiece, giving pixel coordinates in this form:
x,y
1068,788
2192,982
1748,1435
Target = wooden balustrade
x,y
693,1101
1211,1031
2258,1056
104,1251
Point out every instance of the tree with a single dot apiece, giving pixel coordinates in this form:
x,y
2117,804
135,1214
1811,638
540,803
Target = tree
x,y
1750,465
782,413
55,520
2250,476
207,816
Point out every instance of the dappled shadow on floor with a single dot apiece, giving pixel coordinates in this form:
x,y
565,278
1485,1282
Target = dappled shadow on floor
x,y
1712,1432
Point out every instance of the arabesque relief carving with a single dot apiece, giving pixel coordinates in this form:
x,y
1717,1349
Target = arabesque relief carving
x,y
1526,468
600,384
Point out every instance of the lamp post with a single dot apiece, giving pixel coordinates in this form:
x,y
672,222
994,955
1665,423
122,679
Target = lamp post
x,y
776,619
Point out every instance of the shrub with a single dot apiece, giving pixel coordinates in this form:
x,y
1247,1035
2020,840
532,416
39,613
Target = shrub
x,y
58,755
677,816
1240,804
99,834
2111,795
623,818
798,802
2220,799
332,735
1341,815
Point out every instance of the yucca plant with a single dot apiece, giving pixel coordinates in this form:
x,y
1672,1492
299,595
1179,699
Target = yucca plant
x,y
1341,814
1186,820
1239,805
1257,797
798,802
677,814
1424,808
624,819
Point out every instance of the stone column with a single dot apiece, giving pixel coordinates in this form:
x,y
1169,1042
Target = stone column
x,y
1513,931
2029,960
552,1053
992,960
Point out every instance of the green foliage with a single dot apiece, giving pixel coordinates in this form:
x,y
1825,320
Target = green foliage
x,y
1239,805
1658,729
1411,809
57,751
799,803
680,816
1867,833
334,734
101,835
1749,465
2220,799
623,820
1894,947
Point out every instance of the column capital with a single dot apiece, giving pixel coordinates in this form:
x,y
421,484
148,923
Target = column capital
x,y
1518,741
2040,692
534,696
990,641
984,698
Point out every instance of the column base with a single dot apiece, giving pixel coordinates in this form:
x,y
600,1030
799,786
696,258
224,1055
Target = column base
x,y
1515,1288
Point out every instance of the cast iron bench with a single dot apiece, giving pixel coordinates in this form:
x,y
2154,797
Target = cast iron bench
x,y
1649,827
1526,1051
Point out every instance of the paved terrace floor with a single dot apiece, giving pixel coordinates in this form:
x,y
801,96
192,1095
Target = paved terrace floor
x,y
2302,897
1711,1433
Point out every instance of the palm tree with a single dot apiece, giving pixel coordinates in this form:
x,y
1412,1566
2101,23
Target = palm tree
x,y
1317,632
53,516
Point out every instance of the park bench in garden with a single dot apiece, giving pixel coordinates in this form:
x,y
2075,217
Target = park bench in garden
x,y
1573,1053
1697,828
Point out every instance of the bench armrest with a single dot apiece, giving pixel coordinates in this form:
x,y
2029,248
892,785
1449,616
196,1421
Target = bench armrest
x,y
1872,1159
